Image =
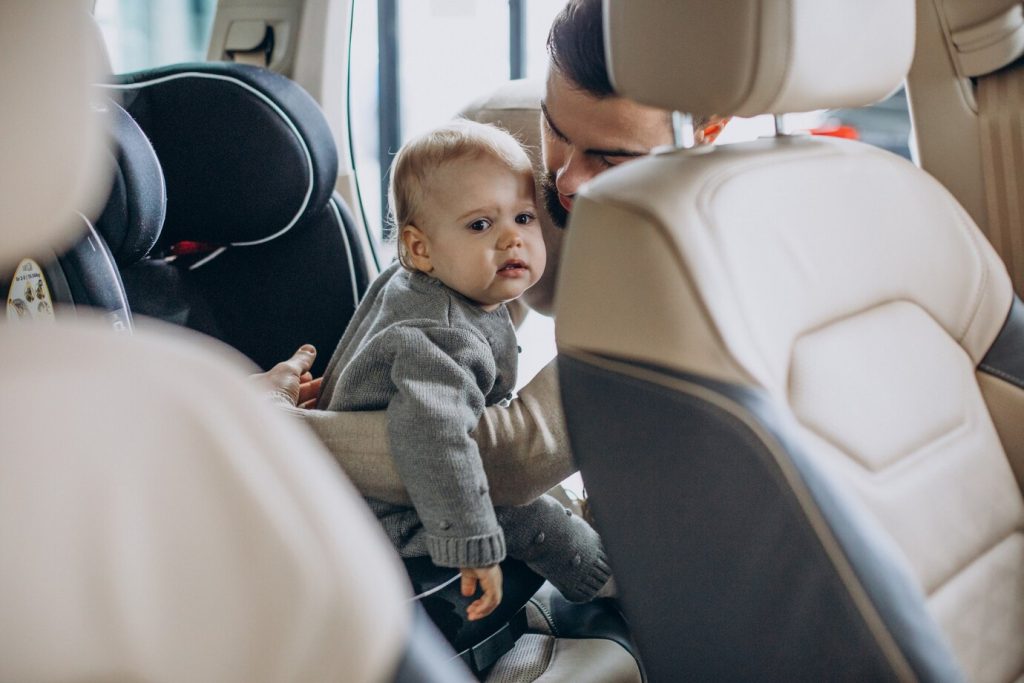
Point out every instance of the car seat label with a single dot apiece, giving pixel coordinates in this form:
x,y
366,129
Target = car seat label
x,y
29,296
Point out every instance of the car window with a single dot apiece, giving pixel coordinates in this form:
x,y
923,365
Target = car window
x,y
445,54
885,124
143,35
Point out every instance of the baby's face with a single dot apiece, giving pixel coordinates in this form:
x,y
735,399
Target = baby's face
x,y
481,228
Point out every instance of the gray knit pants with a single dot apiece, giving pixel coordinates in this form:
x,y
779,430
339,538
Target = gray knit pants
x,y
544,534
556,544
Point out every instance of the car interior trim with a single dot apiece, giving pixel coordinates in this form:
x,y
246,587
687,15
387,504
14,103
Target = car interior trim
x,y
209,257
333,204
1005,358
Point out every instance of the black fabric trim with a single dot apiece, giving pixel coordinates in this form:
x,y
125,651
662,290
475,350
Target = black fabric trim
x,y
267,299
720,573
427,657
1005,358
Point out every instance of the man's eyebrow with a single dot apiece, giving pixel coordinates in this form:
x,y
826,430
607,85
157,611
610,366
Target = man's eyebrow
x,y
551,124
630,153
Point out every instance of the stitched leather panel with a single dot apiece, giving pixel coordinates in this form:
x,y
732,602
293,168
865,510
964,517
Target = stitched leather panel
x,y
856,382
982,612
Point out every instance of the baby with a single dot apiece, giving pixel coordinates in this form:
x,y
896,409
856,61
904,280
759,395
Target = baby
x,y
433,343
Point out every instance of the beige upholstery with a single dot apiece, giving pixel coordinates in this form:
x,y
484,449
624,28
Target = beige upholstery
x,y
158,520
835,278
41,185
966,130
751,57
985,35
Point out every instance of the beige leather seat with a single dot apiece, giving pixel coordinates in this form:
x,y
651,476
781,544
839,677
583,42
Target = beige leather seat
x,y
158,521
791,370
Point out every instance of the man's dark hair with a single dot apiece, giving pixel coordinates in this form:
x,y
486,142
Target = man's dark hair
x,y
576,47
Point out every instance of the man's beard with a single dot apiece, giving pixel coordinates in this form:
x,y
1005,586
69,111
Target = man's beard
x,y
559,216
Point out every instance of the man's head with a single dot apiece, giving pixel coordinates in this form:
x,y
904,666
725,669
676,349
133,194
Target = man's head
x,y
586,127
463,206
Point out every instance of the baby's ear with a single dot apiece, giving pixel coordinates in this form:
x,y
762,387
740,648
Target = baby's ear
x,y
417,248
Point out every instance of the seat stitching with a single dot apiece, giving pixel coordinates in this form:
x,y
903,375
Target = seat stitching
x,y
987,550
348,251
1012,379
542,608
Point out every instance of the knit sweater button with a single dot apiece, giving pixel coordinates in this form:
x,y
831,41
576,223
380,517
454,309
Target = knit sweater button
x,y
577,561
445,524
483,489
539,538
519,349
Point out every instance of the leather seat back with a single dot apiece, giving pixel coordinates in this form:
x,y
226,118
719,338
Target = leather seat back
x,y
795,414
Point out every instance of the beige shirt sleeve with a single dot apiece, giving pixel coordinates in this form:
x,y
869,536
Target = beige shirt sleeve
x,y
524,447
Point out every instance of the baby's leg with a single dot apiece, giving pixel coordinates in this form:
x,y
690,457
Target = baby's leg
x,y
556,544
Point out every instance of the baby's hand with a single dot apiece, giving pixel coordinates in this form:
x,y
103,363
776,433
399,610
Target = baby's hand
x,y
490,583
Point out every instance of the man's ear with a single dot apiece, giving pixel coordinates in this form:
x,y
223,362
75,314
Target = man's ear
x,y
417,248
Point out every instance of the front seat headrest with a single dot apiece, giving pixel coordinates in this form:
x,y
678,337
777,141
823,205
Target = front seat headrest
x,y
51,151
752,57
225,184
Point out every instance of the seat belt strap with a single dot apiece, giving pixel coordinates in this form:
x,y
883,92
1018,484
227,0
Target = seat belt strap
x,y
1000,97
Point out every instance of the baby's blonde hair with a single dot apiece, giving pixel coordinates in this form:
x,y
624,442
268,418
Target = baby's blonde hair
x,y
420,157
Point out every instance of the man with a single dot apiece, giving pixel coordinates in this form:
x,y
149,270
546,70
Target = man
x,y
586,130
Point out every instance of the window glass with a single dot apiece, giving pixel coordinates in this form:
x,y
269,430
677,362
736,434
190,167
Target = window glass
x,y
885,124
539,14
449,53
363,104
142,35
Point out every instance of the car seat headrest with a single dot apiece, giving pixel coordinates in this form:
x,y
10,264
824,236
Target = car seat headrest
x,y
246,153
752,57
52,141
134,214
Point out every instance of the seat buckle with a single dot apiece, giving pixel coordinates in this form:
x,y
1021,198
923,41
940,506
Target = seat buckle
x,y
482,656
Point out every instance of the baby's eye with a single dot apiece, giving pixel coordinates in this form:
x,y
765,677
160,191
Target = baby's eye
x,y
525,218
480,225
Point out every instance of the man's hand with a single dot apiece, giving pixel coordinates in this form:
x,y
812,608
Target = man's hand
x,y
489,579
290,380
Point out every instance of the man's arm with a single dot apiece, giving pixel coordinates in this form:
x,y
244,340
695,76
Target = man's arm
x,y
524,447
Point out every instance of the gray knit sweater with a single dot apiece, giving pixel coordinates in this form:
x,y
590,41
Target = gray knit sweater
x,y
434,359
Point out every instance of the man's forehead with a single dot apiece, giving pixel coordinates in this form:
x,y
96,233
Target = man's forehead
x,y
603,122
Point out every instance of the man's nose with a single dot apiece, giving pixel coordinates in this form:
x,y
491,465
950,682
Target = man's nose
x,y
572,174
